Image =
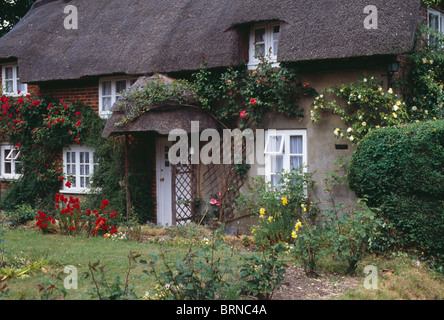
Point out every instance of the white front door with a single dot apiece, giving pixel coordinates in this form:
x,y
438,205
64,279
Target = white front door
x,y
164,183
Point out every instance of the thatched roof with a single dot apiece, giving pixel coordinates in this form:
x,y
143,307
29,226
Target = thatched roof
x,y
144,37
160,118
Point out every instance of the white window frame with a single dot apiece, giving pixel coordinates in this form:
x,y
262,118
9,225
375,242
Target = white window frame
x,y
269,32
129,81
285,150
12,160
15,80
440,19
76,188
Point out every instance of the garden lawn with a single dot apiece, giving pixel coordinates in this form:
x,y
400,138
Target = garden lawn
x,y
79,252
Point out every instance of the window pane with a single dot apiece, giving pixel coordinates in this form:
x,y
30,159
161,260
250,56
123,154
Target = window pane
x,y
259,35
277,164
6,152
9,86
21,87
274,144
82,170
275,178
106,104
86,170
434,21
276,30
8,167
82,182
73,157
9,73
295,145
120,86
295,162
106,88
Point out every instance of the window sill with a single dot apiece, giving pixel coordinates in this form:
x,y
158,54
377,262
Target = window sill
x,y
79,191
253,65
10,177
15,95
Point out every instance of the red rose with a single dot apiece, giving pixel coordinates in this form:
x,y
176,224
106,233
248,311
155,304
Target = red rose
x,y
243,114
253,101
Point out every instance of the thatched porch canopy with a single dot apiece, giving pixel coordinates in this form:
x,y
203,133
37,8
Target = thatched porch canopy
x,y
144,37
161,119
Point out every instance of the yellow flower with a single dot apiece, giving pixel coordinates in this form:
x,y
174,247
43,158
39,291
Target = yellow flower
x,y
270,218
294,235
390,90
304,207
284,201
262,211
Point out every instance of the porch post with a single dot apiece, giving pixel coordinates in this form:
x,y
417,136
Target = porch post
x,y
127,187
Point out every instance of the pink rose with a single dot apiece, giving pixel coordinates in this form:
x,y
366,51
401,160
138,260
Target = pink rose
x,y
243,114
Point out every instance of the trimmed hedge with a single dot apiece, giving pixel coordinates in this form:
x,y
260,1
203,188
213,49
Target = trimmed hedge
x,y
401,171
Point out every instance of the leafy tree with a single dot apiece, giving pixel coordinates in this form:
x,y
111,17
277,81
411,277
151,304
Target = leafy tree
x,y
11,11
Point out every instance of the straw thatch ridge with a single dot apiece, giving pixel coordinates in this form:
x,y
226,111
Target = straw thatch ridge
x,y
140,37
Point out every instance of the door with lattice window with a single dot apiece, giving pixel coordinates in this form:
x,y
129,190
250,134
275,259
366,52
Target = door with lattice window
x,y
175,188
183,193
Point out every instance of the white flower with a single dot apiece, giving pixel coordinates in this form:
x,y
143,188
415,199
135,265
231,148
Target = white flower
x,y
414,108
351,138
365,79
336,132
364,124
349,129
395,107
390,90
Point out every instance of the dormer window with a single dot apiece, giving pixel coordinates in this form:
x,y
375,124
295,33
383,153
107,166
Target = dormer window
x,y
110,90
264,43
11,81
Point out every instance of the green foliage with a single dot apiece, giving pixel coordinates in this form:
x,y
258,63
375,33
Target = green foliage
x,y
155,93
11,12
432,3
199,275
400,170
351,233
240,98
40,128
116,290
362,105
425,94
21,215
264,272
278,209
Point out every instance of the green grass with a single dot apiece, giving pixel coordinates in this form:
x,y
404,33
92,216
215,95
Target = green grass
x,y
77,251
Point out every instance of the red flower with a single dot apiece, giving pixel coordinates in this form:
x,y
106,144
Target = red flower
x,y
243,114
77,113
253,101
73,228
78,123
68,184
105,203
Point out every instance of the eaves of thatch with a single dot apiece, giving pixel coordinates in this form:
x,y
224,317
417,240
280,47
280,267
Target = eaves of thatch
x,y
145,37
160,118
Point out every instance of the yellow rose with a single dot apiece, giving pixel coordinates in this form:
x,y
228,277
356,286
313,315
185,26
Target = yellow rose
x,y
284,201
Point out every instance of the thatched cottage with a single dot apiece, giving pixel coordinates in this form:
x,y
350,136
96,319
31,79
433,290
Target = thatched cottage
x,y
113,43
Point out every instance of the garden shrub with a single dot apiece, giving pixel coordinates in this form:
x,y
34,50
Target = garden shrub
x,y
401,171
21,215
